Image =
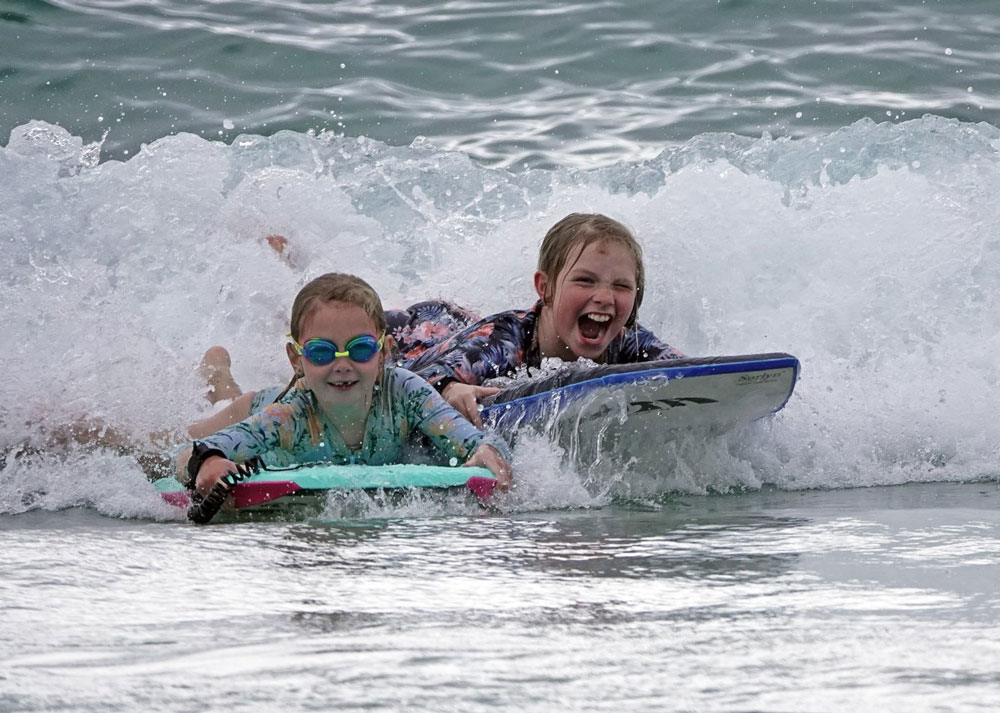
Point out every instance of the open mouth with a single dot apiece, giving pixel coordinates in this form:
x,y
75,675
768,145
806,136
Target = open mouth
x,y
342,385
593,325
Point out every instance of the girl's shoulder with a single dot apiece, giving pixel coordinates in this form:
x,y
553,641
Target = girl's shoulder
x,y
404,392
397,378
264,398
275,394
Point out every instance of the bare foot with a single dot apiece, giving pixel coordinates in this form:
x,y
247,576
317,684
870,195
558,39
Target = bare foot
x,y
278,243
215,370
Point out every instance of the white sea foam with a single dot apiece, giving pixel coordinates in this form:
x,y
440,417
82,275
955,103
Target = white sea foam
x,y
871,254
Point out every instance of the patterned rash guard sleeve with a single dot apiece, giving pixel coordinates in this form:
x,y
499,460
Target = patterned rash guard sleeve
x,y
426,324
279,426
447,429
495,346
265,397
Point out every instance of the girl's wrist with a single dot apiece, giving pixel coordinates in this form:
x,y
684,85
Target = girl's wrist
x,y
200,453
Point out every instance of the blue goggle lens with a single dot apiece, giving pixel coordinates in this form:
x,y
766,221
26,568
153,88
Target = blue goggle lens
x,y
360,349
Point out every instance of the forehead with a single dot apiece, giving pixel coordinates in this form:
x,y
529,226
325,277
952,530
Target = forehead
x,y
607,256
335,319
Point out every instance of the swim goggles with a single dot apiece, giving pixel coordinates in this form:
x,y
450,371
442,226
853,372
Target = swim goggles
x,y
322,351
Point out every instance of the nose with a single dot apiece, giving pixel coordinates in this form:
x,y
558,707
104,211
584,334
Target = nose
x,y
604,293
341,363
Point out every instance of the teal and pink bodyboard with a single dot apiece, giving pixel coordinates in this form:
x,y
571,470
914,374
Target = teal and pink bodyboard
x,y
272,489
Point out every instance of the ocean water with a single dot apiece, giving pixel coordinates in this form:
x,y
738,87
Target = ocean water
x,y
815,178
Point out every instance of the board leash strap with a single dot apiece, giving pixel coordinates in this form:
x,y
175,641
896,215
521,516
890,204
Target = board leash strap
x,y
203,509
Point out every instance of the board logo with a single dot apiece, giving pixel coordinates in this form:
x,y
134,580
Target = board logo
x,y
635,407
664,404
761,377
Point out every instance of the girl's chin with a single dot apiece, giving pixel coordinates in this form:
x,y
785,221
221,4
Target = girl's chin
x,y
589,348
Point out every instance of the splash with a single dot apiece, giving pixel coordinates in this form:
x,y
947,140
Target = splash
x,y
870,253
109,483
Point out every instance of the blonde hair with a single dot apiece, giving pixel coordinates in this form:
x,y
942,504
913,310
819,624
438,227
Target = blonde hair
x,y
337,287
583,229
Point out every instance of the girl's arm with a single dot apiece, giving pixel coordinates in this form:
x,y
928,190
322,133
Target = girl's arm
x,y
457,367
279,426
452,434
489,348
237,410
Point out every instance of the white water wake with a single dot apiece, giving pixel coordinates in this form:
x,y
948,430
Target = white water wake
x,y
871,254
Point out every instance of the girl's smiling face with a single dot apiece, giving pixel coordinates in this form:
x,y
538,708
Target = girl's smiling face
x,y
343,382
589,303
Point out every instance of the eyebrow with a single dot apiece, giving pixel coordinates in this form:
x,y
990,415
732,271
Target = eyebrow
x,y
584,272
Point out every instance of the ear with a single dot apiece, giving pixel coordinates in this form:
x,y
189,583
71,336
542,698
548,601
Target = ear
x,y
541,282
293,359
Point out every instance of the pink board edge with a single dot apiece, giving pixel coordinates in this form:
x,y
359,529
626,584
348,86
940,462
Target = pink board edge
x,y
481,487
249,494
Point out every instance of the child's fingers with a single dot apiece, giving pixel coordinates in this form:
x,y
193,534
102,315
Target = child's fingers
x,y
488,457
470,409
472,416
464,401
211,471
503,475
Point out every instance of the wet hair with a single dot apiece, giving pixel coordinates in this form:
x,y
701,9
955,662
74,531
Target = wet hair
x,y
337,287
581,230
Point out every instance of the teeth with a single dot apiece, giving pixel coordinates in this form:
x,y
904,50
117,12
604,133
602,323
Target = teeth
x,y
599,317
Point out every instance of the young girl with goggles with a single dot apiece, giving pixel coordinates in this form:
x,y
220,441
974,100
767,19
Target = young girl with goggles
x,y
344,406
322,351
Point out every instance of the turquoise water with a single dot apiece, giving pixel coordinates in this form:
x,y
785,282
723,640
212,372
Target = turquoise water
x,y
509,83
814,178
